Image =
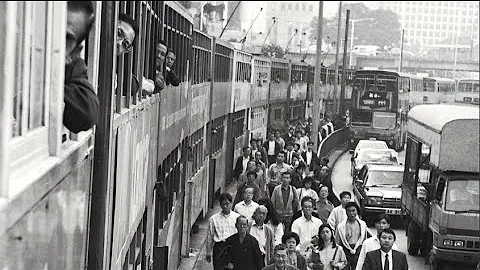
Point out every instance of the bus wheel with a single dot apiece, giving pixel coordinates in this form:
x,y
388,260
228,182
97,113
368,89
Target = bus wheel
x,y
412,238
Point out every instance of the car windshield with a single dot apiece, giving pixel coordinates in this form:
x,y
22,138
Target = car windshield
x,y
372,156
372,145
463,196
378,178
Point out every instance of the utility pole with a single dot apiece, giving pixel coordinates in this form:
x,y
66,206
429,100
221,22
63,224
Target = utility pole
x,y
231,15
317,81
335,86
344,68
401,52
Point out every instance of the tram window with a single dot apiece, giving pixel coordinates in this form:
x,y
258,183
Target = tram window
x,y
475,87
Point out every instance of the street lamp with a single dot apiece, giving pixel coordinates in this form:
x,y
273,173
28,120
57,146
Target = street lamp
x,y
353,30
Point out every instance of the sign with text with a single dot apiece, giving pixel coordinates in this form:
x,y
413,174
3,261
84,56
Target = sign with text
x,y
374,100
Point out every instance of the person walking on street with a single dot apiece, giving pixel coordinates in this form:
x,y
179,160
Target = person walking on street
x,y
294,258
243,251
263,233
351,233
382,222
220,226
386,258
307,225
281,258
272,220
324,206
272,147
327,254
338,213
275,171
285,200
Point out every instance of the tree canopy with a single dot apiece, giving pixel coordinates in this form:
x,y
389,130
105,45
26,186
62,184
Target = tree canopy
x,y
273,50
383,30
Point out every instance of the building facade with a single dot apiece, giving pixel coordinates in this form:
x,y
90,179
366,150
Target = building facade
x,y
434,28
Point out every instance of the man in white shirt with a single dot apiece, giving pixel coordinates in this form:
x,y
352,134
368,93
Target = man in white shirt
x,y
247,206
301,141
338,213
382,221
220,226
289,153
307,225
263,233
386,258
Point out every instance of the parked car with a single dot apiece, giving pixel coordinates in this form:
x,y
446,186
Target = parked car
x,y
372,156
377,189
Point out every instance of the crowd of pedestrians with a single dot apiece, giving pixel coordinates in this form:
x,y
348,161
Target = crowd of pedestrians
x,y
285,215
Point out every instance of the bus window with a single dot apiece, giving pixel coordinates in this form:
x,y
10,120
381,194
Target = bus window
x,y
475,87
386,83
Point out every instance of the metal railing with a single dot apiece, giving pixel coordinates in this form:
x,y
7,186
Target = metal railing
x,y
333,141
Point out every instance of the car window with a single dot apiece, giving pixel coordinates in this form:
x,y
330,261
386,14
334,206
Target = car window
x,y
384,178
372,156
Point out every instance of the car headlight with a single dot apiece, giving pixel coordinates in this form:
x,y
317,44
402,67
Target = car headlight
x,y
375,201
447,242
459,243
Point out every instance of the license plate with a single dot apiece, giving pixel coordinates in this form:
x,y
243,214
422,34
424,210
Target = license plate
x,y
394,211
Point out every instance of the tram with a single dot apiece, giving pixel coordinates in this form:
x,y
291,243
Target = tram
x,y
126,194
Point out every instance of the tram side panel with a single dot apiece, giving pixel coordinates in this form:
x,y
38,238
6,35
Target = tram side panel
x,y
278,95
258,116
241,87
175,145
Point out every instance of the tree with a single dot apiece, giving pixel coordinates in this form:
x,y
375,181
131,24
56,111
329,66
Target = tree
x,y
384,30
273,50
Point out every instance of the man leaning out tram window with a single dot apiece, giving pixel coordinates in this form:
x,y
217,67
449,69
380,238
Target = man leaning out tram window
x,y
81,103
127,31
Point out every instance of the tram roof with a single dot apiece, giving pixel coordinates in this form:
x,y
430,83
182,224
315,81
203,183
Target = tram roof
x,y
437,116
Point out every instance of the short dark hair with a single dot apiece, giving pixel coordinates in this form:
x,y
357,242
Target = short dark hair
x,y
354,204
279,247
245,148
161,41
310,143
87,8
170,51
381,216
306,199
297,144
253,140
281,152
252,172
345,193
388,230
289,143
308,179
225,196
287,172
301,165
128,19
289,235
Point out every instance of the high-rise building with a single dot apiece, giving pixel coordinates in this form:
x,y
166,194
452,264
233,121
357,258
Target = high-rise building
x,y
431,26
291,15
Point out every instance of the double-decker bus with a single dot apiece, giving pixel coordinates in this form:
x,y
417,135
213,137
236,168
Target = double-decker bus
x,y
434,91
378,110
467,91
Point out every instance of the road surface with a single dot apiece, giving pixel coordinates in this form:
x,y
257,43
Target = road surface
x,y
342,180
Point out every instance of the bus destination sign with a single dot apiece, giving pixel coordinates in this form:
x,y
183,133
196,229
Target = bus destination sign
x,y
374,100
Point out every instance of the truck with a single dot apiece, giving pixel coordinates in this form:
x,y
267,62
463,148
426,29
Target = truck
x,y
440,187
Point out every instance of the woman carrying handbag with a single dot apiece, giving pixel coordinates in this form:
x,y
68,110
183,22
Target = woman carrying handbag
x,y
327,255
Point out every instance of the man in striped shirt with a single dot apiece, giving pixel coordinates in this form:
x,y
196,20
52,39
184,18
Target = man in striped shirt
x,y
220,226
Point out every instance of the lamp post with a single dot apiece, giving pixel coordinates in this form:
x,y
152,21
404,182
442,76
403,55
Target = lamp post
x,y
351,42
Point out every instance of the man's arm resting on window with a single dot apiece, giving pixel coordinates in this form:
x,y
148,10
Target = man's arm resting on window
x,y
81,103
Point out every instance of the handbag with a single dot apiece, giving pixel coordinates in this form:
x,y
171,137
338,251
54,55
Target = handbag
x,y
317,263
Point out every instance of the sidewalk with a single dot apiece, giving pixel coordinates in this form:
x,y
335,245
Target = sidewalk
x,y
198,247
